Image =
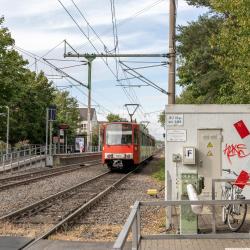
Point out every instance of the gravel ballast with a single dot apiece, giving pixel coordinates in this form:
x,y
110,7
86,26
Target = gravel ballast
x,y
24,195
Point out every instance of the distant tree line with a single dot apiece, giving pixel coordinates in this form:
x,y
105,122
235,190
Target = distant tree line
x,y
213,54
28,94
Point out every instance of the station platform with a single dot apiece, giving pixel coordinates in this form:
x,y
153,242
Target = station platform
x,y
13,243
16,243
196,244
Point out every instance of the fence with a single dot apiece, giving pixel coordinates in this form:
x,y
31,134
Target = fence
x,y
134,221
33,153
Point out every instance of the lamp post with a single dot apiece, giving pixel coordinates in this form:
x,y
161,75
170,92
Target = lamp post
x,y
8,128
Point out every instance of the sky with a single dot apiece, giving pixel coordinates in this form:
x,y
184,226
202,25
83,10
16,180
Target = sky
x,y
142,27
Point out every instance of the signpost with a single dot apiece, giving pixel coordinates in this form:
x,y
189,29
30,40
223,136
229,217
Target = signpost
x,y
50,117
63,135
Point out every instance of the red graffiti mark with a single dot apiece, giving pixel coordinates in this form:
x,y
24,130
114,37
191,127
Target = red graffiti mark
x,y
232,150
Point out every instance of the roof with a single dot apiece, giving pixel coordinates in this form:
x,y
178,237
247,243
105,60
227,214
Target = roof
x,y
84,113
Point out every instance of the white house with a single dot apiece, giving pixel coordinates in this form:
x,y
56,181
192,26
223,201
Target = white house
x,y
84,120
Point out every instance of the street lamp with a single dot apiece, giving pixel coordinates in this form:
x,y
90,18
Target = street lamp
x,y
8,126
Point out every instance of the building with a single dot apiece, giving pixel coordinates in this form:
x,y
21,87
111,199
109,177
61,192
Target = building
x,y
83,124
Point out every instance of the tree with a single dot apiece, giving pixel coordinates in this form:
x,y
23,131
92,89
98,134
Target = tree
x,y
233,44
113,118
67,112
27,95
199,3
214,54
161,119
201,76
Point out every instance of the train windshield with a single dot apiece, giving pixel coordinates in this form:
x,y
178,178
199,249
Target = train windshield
x,y
119,134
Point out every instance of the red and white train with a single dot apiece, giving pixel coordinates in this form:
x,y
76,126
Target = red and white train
x,y
125,145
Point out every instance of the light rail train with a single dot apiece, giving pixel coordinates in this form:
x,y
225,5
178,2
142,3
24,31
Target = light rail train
x,y
125,145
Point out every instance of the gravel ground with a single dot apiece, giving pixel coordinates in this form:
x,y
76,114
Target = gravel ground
x,y
24,195
104,222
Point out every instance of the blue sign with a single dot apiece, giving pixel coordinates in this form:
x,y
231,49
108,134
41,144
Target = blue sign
x,y
52,113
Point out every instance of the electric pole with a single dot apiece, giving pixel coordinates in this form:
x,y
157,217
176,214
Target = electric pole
x,y
172,52
90,58
89,133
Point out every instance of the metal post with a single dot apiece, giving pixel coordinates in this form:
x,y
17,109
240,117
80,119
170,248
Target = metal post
x,y
169,221
66,141
172,52
50,139
138,218
99,138
47,118
89,143
135,234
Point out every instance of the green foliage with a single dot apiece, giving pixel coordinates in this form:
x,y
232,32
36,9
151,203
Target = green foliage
x,y
161,119
214,54
95,136
233,44
27,95
199,3
160,172
199,73
113,118
67,112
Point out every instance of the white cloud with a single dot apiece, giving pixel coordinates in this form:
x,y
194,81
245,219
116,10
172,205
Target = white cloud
x,y
38,26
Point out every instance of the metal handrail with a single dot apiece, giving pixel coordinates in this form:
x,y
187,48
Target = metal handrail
x,y
132,222
121,240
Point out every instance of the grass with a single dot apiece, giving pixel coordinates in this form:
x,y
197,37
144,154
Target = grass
x,y
160,173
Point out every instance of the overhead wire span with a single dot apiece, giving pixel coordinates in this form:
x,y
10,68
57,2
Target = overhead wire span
x,y
143,78
48,52
63,74
130,18
127,94
146,67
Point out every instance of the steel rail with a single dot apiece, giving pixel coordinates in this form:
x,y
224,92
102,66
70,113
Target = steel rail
x,y
85,207
48,199
22,182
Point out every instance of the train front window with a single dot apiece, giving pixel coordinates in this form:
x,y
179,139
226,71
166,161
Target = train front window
x,y
119,134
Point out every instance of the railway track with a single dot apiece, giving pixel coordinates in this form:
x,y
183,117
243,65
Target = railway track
x,y
63,208
22,179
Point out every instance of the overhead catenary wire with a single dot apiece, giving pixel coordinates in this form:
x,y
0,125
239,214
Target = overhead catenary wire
x,y
55,68
81,30
48,52
145,9
126,92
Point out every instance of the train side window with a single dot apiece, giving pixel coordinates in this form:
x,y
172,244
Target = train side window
x,y
135,136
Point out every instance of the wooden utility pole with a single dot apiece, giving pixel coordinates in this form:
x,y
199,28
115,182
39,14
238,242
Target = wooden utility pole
x,y
172,52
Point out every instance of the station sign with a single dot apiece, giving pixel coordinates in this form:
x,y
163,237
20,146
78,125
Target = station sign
x,y
176,135
175,120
